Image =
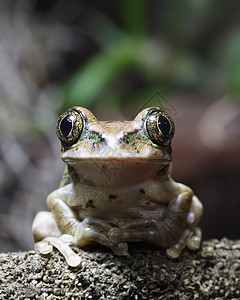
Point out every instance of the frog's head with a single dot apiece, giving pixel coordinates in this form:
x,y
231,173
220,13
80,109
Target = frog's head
x,y
140,143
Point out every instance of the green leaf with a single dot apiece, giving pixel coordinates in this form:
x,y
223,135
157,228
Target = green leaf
x,y
89,82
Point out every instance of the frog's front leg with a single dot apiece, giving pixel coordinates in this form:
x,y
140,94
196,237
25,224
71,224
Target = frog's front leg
x,y
96,230
174,232
62,219
84,231
52,228
49,233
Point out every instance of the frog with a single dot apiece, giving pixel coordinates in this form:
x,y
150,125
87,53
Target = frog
x,y
117,188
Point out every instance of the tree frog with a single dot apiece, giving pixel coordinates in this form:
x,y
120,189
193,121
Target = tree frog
x,y
117,188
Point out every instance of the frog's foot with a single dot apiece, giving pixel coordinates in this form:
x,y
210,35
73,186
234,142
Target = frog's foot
x,y
95,230
194,240
62,244
191,238
47,235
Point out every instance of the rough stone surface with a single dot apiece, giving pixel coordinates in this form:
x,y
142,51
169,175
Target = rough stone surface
x,y
213,272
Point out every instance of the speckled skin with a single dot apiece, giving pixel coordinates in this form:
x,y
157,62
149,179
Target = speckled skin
x,y
117,189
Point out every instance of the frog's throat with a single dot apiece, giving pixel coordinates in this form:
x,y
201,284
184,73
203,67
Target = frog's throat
x,y
115,172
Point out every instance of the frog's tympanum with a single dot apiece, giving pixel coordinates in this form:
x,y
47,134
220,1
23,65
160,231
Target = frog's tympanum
x,y
117,188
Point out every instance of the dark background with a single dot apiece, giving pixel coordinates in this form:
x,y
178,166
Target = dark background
x,y
114,58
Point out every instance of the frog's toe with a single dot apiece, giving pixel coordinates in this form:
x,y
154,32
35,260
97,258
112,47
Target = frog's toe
x,y
120,249
62,244
194,240
43,247
174,251
191,238
115,235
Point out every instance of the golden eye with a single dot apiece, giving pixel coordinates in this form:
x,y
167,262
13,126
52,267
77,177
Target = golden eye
x,y
160,127
69,127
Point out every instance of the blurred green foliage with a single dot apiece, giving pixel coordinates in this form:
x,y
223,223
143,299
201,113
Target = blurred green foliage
x,y
172,46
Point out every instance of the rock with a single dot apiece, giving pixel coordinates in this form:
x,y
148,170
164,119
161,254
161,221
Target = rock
x,y
213,272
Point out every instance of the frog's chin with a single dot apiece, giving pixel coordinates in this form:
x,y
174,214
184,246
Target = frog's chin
x,y
116,172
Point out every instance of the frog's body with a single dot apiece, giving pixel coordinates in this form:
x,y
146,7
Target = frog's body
x,y
117,188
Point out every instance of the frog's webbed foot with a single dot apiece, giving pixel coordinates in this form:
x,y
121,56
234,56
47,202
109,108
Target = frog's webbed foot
x,y
62,243
96,230
190,238
47,235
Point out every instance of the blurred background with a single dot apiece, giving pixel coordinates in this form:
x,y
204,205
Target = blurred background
x,y
115,58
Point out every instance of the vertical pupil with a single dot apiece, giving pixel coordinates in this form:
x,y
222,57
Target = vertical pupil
x,y
164,125
66,125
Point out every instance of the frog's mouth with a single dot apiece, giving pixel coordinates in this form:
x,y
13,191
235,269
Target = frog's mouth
x,y
118,154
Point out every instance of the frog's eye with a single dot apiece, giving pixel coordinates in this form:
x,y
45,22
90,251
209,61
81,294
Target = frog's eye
x,y
69,127
160,128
